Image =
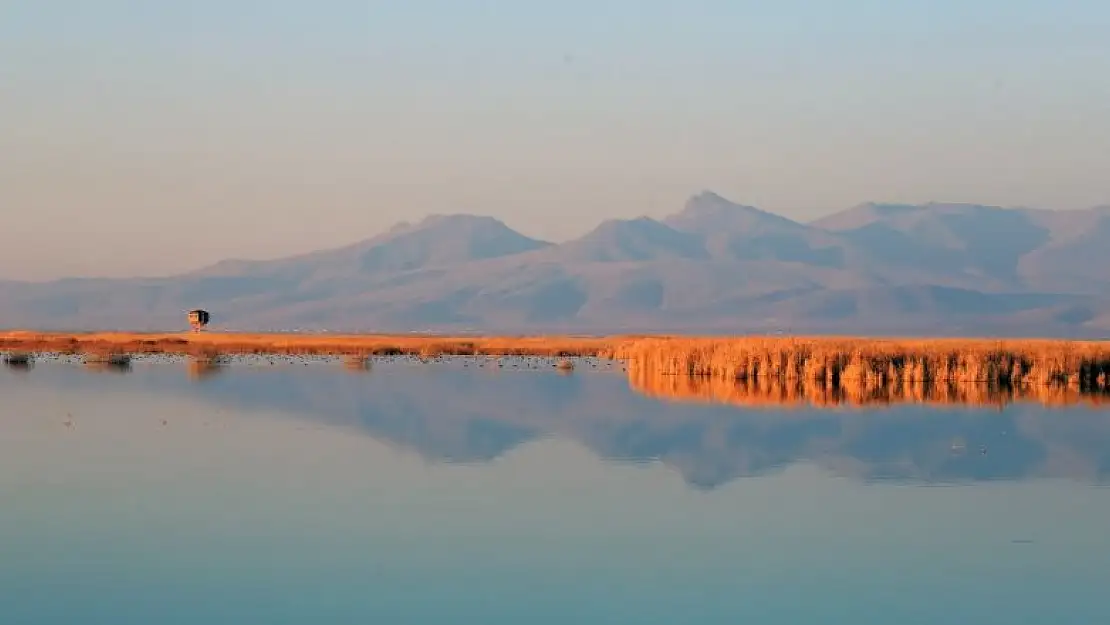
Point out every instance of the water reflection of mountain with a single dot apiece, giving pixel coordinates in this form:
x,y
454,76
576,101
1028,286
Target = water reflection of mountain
x,y
450,414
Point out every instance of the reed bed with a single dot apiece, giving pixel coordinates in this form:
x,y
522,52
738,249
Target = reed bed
x,y
873,363
830,363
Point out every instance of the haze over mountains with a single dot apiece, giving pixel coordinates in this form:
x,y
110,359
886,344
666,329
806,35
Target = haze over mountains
x,y
714,266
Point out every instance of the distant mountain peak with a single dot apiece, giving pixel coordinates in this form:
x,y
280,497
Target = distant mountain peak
x,y
400,226
640,238
459,219
712,201
710,213
445,239
707,195
633,227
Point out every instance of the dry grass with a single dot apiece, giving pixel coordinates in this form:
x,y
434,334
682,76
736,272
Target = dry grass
x,y
338,345
873,363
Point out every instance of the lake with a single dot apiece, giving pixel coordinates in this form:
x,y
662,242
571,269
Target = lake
x,y
452,493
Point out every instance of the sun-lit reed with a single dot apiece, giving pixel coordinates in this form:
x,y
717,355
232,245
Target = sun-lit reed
x,y
873,363
306,345
827,362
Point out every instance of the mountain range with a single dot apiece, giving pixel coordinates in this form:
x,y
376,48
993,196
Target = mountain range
x,y
714,266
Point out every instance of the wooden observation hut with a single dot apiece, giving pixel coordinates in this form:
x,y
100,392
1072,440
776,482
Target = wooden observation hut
x,y
198,319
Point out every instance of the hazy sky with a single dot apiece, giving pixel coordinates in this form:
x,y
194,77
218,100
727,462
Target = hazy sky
x,y
152,137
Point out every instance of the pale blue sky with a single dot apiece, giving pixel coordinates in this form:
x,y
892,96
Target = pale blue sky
x,y
152,137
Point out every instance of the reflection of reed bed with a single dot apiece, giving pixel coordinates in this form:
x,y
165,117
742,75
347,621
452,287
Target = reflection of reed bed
x,y
19,361
772,392
109,362
564,366
114,359
207,356
18,358
357,363
200,369
878,363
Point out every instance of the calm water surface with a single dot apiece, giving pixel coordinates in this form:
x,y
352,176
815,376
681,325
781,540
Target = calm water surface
x,y
446,494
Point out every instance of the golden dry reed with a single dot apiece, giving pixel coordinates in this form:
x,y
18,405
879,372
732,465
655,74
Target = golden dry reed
x,y
820,362
212,343
874,363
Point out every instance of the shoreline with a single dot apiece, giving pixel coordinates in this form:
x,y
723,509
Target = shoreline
x,y
213,343
828,361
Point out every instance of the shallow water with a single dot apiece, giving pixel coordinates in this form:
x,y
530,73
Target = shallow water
x,y
443,493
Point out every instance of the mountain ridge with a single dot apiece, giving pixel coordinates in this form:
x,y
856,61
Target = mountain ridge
x,y
712,264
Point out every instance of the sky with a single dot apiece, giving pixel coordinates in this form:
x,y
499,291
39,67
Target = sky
x,y
148,138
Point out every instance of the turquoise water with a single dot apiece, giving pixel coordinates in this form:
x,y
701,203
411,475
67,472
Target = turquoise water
x,y
443,494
